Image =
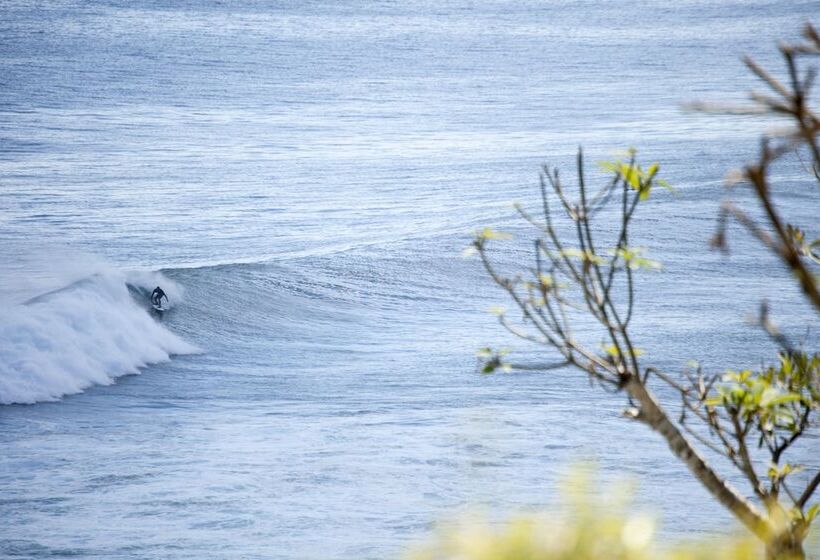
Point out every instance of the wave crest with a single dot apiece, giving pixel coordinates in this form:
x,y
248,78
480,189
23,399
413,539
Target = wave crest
x,y
88,333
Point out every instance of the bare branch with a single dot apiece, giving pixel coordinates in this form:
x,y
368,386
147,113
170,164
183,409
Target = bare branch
x,y
810,488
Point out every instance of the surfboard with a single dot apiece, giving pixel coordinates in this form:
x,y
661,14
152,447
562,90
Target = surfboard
x,y
157,307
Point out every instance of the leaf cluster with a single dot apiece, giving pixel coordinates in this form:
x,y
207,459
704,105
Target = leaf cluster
x,y
775,404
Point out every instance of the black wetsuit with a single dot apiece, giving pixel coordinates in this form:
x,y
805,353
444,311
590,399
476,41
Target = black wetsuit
x,y
157,295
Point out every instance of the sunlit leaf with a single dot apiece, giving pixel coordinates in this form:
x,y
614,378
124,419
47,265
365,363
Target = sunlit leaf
x,y
811,250
484,353
782,399
489,233
666,185
812,512
585,256
610,166
643,191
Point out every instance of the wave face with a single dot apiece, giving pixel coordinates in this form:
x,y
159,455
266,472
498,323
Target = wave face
x,y
88,333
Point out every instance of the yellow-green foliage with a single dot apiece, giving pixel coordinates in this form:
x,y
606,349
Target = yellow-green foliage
x,y
586,529
604,536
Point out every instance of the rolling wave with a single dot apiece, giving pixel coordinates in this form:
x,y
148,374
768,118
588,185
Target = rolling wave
x,y
88,333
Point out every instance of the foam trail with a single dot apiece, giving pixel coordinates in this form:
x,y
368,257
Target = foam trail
x,y
90,332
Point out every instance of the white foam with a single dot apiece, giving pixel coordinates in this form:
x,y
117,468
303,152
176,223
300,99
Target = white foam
x,y
88,333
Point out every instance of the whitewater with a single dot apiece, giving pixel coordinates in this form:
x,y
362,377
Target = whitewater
x,y
301,179
86,333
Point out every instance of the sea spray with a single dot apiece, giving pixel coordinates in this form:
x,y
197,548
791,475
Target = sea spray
x,y
31,269
144,281
88,333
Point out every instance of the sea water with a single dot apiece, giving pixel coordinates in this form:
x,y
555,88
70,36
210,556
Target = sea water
x,y
301,178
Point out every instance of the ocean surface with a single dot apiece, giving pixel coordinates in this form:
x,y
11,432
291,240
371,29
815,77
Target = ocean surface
x,y
301,178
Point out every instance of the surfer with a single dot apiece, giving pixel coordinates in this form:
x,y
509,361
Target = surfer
x,y
156,297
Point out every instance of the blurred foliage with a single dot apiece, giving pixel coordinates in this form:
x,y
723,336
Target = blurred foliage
x,y
586,528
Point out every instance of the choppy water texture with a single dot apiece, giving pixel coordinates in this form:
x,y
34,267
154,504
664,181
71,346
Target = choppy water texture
x,y
301,178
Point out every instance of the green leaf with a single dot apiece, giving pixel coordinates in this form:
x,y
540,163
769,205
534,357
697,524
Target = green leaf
x,y
667,186
631,256
631,175
783,399
643,191
610,166
484,353
646,263
765,397
812,512
811,250
586,256
612,350
489,233
779,473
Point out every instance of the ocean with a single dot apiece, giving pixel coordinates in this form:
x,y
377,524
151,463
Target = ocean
x,y
301,179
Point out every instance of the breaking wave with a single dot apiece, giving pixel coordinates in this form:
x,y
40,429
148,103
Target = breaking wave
x,y
87,333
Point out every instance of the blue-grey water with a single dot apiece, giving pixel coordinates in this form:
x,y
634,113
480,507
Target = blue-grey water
x,y
301,178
